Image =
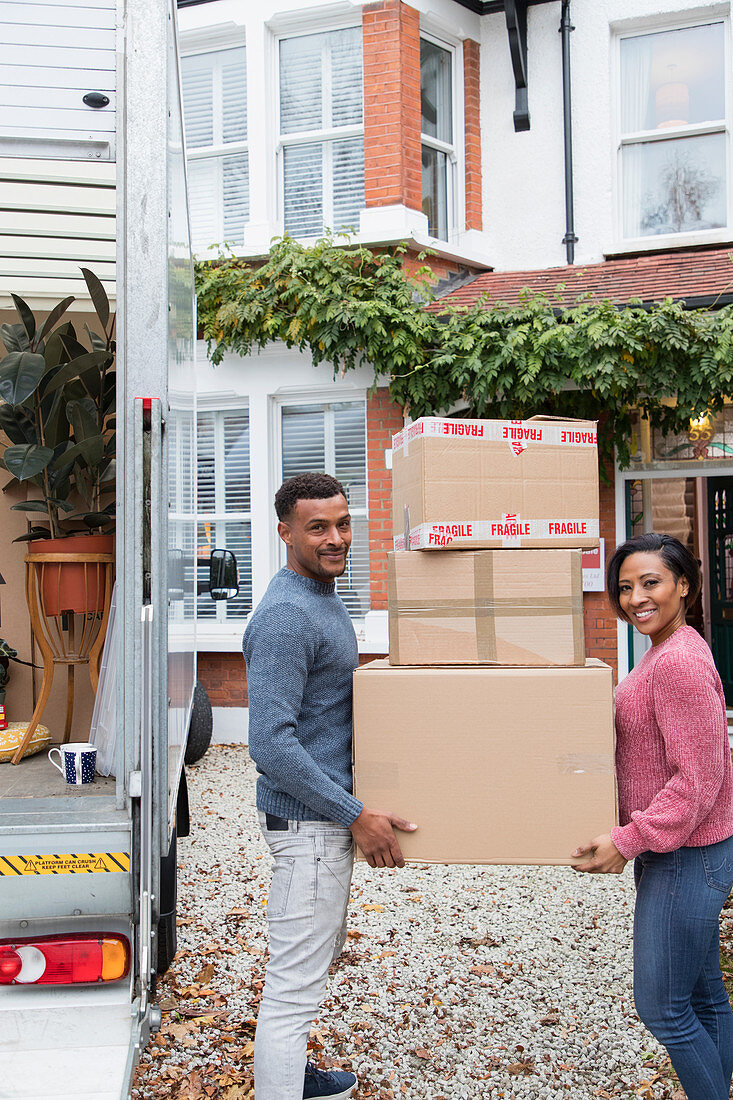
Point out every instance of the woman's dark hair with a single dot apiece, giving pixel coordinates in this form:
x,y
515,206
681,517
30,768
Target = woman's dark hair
x,y
675,556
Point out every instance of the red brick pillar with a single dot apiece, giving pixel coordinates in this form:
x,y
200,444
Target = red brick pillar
x,y
472,114
392,156
384,418
601,639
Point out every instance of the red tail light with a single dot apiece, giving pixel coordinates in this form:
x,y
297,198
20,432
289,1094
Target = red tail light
x,y
78,958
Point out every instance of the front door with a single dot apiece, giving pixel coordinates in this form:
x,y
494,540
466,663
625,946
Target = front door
x,y
720,552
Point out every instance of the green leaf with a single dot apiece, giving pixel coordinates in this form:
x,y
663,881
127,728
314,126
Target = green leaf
x,y
41,505
26,315
34,533
91,450
96,519
20,373
55,315
15,337
16,425
77,368
26,460
98,295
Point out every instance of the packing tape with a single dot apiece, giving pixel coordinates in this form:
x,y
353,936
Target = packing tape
x,y
426,536
579,763
554,433
576,589
483,582
393,625
486,606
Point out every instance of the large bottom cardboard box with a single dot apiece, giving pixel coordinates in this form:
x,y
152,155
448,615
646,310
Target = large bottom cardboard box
x,y
494,607
494,765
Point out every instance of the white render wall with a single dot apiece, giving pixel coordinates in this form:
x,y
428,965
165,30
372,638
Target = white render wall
x,y
523,174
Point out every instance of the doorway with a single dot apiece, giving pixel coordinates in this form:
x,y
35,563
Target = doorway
x,y
720,572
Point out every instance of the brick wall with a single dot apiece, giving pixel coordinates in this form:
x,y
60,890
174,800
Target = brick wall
x,y
392,156
384,418
472,110
600,622
223,675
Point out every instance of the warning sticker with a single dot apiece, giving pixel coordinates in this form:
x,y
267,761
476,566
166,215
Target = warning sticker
x,y
70,863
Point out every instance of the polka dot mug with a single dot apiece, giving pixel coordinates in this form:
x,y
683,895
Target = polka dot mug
x,y
78,762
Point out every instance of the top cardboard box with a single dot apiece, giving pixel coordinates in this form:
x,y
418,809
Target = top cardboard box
x,y
470,484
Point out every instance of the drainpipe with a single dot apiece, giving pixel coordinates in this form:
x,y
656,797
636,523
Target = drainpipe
x,y
569,240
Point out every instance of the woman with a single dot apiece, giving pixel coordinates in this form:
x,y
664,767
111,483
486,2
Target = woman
x,y
675,787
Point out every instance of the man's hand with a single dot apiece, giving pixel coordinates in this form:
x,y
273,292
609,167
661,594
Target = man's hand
x,y
373,832
605,858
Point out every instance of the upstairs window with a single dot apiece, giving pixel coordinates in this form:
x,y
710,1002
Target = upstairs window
x,y
215,118
438,148
673,147
322,132
330,438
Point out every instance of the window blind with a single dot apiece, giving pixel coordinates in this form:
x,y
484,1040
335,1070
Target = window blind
x,y
223,484
331,438
321,90
215,116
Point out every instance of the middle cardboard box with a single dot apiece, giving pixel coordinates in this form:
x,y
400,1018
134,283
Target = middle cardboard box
x,y
486,607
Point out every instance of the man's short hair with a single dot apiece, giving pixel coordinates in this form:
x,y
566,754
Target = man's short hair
x,y
305,487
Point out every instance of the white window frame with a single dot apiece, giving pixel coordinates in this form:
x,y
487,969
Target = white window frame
x,y
332,396
309,137
664,241
455,151
212,632
216,43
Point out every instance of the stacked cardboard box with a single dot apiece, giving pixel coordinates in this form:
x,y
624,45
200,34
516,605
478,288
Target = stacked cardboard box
x,y
487,726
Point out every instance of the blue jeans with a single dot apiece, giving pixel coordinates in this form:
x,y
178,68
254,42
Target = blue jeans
x,y
306,917
678,986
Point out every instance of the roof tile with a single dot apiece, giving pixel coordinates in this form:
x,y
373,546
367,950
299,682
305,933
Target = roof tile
x,y
651,278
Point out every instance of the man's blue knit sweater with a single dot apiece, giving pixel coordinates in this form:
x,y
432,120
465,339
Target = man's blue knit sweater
x,y
301,651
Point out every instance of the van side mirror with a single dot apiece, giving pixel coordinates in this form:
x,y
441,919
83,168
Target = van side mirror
x,y
223,575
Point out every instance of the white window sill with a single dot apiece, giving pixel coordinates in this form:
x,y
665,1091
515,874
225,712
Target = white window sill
x,y
371,635
669,242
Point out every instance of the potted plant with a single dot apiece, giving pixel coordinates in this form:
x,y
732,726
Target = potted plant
x,y
57,409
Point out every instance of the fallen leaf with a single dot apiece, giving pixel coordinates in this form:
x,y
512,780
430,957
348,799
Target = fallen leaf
x,y
206,973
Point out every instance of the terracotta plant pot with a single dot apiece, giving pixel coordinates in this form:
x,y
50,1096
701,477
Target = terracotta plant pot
x,y
73,586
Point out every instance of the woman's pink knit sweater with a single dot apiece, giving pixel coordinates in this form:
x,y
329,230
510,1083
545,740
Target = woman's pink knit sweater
x,y
673,763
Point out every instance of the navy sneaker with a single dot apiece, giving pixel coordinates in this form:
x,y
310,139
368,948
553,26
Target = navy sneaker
x,y
327,1084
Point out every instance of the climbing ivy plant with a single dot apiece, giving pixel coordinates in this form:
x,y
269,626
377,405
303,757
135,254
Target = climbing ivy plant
x,y
348,305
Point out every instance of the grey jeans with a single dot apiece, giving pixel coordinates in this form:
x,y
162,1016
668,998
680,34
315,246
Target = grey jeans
x,y
306,916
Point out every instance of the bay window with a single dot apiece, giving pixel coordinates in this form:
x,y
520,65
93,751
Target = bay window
x,y
673,131
330,438
321,131
214,88
437,138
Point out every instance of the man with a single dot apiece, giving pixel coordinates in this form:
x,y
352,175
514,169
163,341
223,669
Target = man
x,y
301,651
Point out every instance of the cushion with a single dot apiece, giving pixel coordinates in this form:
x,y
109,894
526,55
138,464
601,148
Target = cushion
x,y
14,734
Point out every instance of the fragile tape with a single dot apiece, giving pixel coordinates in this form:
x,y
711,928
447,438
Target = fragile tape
x,y
517,433
507,532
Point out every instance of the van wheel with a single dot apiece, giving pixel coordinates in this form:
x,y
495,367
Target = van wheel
x,y
167,934
201,727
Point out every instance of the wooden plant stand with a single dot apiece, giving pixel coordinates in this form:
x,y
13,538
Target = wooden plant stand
x,y
66,638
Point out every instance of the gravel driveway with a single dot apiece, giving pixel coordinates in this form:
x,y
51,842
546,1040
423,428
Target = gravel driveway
x,y
456,982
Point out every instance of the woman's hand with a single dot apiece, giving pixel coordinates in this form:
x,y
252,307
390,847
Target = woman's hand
x,y
605,858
